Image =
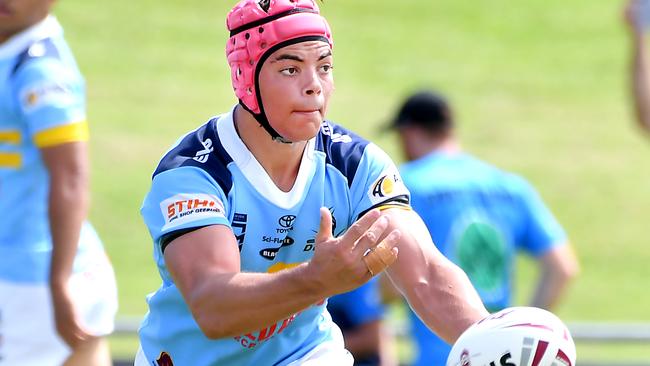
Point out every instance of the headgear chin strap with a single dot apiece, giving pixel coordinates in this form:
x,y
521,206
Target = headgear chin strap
x,y
259,28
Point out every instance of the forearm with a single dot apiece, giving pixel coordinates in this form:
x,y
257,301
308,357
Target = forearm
x,y
557,268
436,289
68,205
446,301
205,265
549,290
231,304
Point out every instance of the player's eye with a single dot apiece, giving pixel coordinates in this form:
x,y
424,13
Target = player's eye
x,y
326,68
289,71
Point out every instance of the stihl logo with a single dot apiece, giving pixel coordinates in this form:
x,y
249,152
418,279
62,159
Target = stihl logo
x,y
185,207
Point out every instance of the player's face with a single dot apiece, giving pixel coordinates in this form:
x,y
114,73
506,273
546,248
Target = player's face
x,y
295,85
17,15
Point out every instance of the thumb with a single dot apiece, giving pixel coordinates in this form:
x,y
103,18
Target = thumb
x,y
325,228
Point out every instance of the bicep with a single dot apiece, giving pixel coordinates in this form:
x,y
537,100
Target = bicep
x,y
66,160
417,256
193,257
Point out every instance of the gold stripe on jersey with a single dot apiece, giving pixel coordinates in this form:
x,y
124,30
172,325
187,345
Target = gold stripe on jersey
x,y
10,137
402,206
10,160
72,132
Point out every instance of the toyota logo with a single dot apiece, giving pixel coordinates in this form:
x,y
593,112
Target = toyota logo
x,y
286,220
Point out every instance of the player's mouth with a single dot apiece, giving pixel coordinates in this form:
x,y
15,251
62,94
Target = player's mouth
x,y
308,112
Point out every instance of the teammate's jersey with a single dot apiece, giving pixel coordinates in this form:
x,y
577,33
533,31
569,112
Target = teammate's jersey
x,y
42,104
209,177
479,217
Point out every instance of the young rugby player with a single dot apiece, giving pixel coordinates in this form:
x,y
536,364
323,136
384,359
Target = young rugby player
x,y
262,213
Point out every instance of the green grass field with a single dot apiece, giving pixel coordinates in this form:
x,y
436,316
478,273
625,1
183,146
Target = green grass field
x,y
539,87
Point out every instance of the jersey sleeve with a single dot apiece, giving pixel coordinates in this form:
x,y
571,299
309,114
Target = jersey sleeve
x,y
180,200
377,183
51,100
541,229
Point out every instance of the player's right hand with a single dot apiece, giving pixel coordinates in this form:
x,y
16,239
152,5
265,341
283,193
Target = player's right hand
x,y
65,316
338,263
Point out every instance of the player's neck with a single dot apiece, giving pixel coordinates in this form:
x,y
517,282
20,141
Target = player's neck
x,y
280,161
6,35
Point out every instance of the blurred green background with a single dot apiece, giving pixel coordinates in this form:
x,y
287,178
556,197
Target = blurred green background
x,y
539,88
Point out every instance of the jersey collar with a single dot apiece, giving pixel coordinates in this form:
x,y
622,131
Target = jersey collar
x,y
255,173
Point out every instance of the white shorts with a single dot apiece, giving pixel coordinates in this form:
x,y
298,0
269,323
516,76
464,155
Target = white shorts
x,y
325,354
28,335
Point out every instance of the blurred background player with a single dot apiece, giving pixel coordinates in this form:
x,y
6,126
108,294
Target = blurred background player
x,y
262,213
360,315
57,288
478,216
637,16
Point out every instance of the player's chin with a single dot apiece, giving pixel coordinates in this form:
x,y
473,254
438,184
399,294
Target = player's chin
x,y
302,135
307,126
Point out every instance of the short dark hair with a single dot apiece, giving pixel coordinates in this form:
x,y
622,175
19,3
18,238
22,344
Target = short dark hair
x,y
427,109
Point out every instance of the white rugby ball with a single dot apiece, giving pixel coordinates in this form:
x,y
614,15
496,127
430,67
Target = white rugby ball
x,y
515,336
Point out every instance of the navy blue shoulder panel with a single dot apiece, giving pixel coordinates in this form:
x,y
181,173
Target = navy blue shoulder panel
x,y
42,48
343,148
201,148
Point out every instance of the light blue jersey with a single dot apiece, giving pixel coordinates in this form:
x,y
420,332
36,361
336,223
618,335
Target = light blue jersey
x,y
210,178
42,104
479,217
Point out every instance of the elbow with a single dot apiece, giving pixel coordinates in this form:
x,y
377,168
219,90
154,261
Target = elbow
x,y
562,264
73,187
570,268
570,271
564,273
213,326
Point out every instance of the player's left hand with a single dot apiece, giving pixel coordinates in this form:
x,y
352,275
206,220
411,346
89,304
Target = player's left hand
x,y
65,316
343,263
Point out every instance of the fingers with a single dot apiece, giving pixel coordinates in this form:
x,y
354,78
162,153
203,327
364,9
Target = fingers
x,y
372,235
380,257
362,225
325,228
361,229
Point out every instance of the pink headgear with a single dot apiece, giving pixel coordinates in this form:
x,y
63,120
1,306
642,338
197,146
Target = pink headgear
x,y
260,27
